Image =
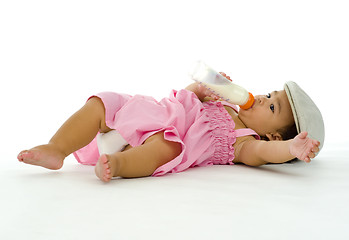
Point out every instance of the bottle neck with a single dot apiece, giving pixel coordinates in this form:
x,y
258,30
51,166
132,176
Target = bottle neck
x,y
249,102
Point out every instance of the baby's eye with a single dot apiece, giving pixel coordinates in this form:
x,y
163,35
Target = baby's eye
x,y
272,107
268,95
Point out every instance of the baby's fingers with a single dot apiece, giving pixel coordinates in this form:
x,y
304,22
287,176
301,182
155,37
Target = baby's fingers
x,y
225,75
311,155
315,146
317,143
315,149
307,160
215,97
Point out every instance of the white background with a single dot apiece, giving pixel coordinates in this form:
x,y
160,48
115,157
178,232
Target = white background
x,y
54,54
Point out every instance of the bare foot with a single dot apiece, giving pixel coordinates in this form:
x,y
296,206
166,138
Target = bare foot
x,y
107,167
47,156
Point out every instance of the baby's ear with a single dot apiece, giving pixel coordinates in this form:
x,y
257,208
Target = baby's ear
x,y
274,136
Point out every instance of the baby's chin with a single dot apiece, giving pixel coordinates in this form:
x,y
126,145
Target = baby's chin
x,y
243,112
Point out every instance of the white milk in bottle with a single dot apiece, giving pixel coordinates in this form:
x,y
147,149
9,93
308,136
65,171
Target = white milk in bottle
x,y
221,86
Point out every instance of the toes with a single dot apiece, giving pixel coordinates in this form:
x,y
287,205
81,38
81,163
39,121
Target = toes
x,y
103,161
20,155
25,156
104,172
107,172
106,177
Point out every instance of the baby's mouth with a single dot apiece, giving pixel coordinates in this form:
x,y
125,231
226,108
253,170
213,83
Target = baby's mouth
x,y
254,102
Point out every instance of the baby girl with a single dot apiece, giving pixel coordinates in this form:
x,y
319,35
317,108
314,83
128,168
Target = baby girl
x,y
189,128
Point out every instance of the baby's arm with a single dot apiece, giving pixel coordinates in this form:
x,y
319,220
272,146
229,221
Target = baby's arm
x,y
255,153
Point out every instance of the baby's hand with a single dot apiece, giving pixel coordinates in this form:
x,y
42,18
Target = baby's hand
x,y
225,75
304,148
207,92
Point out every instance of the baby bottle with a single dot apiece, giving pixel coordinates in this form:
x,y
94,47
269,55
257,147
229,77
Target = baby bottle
x,y
220,86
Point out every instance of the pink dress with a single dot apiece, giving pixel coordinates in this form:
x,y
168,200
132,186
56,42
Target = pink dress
x,y
205,130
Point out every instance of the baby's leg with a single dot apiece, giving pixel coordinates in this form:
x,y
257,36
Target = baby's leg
x,y
75,133
139,161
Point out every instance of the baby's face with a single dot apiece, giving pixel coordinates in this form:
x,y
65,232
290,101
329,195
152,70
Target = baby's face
x,y
268,114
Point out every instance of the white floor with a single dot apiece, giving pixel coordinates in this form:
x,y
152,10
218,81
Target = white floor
x,y
290,201
55,54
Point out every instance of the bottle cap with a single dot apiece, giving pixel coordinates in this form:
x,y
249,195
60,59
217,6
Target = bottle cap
x,y
249,102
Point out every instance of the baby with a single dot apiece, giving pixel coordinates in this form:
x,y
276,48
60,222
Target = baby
x,y
189,128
